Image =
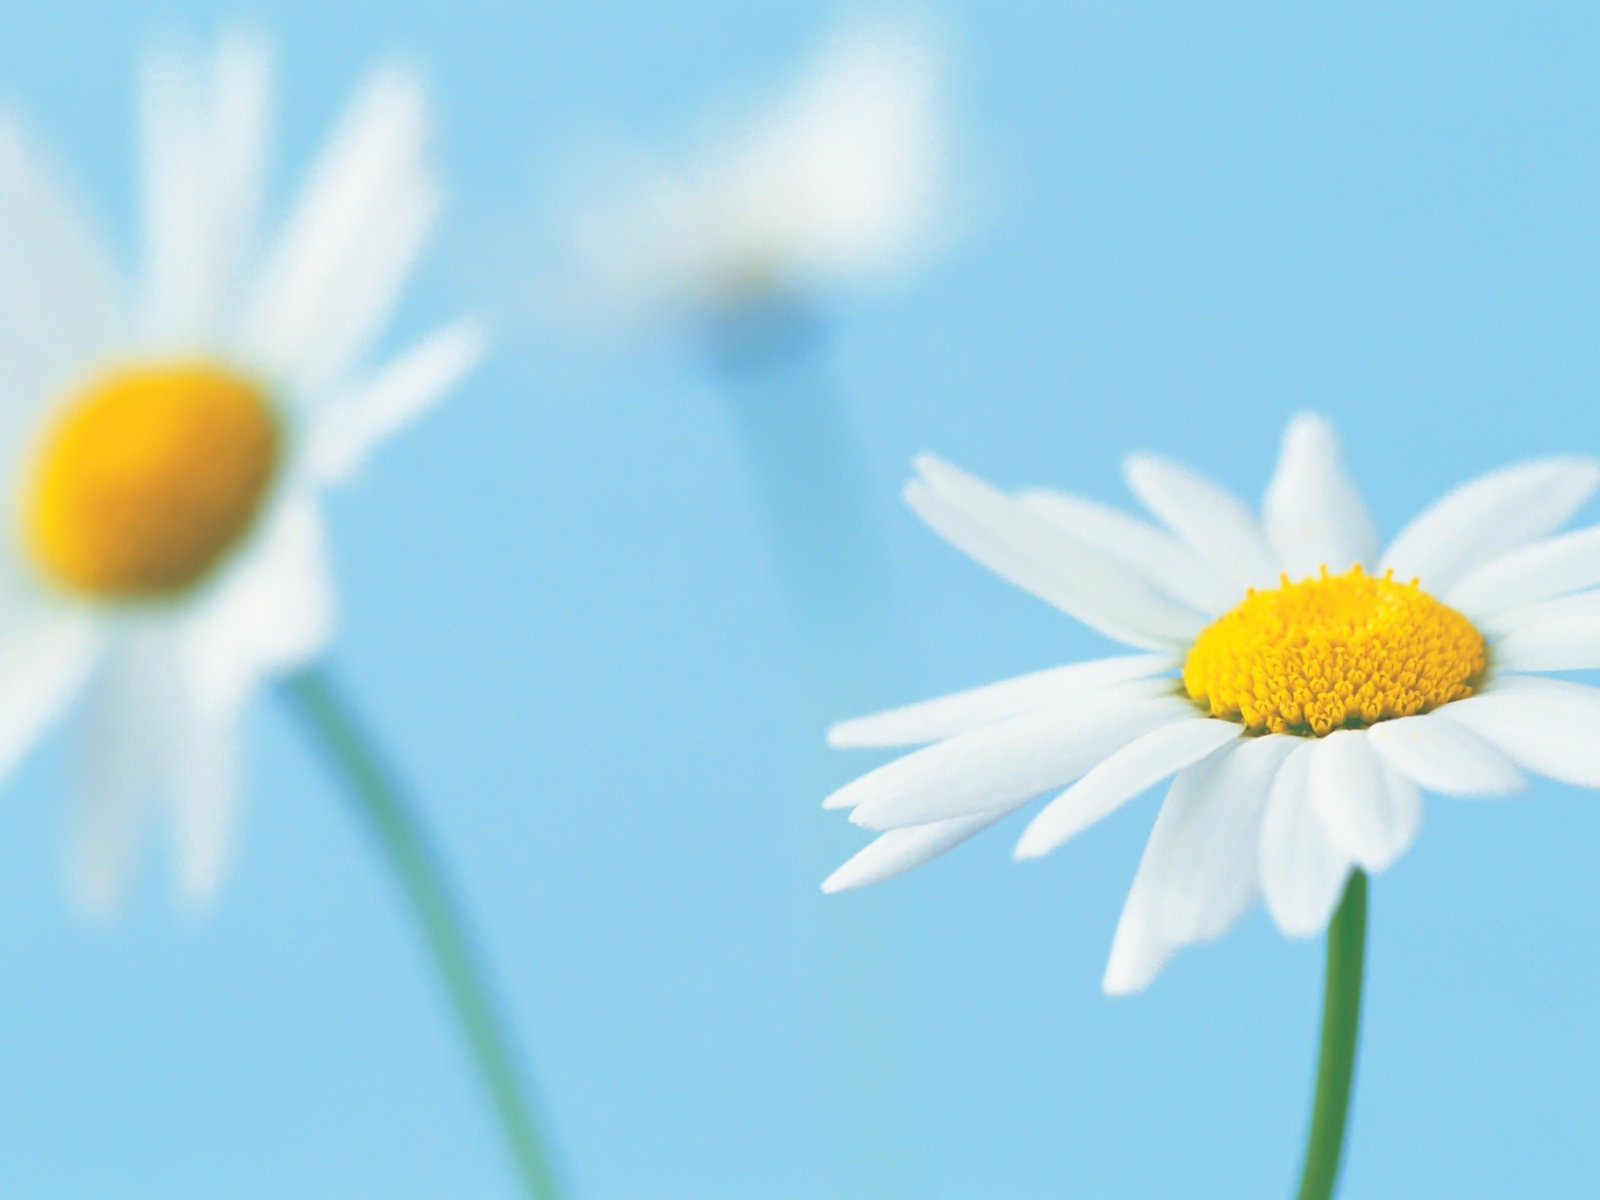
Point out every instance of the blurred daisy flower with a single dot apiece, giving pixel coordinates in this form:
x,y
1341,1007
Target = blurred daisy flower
x,y
836,182
167,440
1302,686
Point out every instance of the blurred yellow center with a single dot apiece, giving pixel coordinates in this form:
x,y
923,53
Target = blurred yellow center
x,y
1334,652
148,477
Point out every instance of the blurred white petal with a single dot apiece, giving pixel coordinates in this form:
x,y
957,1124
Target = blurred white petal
x,y
127,736
203,148
202,787
360,223
274,611
48,649
840,180
61,301
349,427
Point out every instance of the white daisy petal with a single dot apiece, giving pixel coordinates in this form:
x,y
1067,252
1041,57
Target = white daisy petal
x,y
60,298
274,612
1036,555
1285,817
1140,948
48,653
1583,606
1544,725
1166,562
931,720
1199,872
1546,569
1213,521
1137,766
1440,754
127,735
1004,764
1313,514
1303,869
203,159
1488,517
357,229
899,850
203,786
1362,806
173,162
346,430
1220,803
1559,635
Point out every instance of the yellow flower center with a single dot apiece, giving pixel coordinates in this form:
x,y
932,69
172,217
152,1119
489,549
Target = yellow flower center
x,y
148,477
1334,652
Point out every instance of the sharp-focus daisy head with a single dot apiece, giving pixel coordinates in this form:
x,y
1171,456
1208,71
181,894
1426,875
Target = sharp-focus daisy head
x,y
167,432
1298,682
834,182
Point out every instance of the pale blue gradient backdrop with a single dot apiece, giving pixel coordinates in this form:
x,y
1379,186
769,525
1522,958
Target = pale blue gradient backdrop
x,y
1187,223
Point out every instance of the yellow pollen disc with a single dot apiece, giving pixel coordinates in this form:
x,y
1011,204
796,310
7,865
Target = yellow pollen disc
x,y
1334,652
148,477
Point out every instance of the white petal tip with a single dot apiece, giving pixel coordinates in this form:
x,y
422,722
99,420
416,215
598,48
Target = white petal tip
x,y
1121,984
1298,927
840,881
843,736
95,903
1138,462
1308,422
198,896
1030,847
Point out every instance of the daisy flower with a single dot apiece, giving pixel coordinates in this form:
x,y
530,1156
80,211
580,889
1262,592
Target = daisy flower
x,y
1300,686
168,433
834,182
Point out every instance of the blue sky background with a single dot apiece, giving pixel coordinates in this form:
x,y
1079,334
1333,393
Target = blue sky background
x,y
563,612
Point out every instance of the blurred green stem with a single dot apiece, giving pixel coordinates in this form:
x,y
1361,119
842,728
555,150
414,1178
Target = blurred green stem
x,y
383,808
1341,1021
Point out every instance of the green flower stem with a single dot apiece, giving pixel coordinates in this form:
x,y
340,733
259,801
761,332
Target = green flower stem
x,y
1341,1022
384,809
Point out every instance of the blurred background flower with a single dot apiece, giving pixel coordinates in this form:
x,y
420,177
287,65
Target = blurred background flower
x,y
744,250
167,462
842,180
167,441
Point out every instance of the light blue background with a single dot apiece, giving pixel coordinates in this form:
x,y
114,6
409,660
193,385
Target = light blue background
x,y
561,609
